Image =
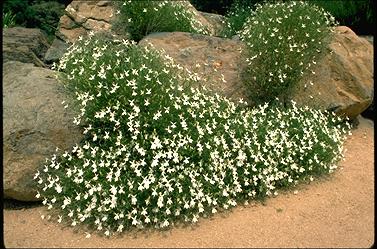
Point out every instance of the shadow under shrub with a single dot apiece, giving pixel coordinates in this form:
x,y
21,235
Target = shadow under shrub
x,y
283,40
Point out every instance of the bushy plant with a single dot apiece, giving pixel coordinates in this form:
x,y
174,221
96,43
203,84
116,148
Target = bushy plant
x,y
140,18
283,40
18,7
157,151
236,17
44,15
8,19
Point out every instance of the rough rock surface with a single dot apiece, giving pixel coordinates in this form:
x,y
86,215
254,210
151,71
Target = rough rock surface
x,y
215,56
81,17
205,20
24,45
343,79
216,21
56,51
34,124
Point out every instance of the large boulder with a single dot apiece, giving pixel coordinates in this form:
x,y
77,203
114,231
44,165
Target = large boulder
x,y
24,45
35,122
81,17
343,79
216,60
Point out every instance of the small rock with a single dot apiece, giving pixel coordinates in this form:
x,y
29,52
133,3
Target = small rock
x,y
56,51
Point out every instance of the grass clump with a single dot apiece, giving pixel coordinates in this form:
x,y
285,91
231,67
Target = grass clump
x,y
158,151
140,18
8,19
283,40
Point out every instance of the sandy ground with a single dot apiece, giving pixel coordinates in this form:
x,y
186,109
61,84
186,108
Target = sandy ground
x,y
333,212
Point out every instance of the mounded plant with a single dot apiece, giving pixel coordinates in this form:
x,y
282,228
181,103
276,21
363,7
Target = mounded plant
x,y
283,40
158,151
140,18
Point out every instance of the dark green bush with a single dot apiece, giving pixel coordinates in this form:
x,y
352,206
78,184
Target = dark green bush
x,y
359,15
44,15
18,7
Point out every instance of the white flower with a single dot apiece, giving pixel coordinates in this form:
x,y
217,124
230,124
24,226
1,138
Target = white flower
x,y
58,188
157,115
160,201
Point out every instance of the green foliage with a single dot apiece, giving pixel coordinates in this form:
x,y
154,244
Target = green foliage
x,y
140,18
8,19
237,15
157,151
17,7
358,15
36,13
45,15
283,40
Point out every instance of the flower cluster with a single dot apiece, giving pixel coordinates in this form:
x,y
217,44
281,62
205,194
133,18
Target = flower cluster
x,y
283,40
143,17
157,150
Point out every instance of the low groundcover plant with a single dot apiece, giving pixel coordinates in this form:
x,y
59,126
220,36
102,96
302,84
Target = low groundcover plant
x,y
158,151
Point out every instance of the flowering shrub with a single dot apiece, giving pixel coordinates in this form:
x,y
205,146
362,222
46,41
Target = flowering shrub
x,y
283,40
140,18
236,17
157,150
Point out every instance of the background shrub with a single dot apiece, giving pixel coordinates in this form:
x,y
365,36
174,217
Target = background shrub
x,y
283,40
140,18
359,15
43,14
